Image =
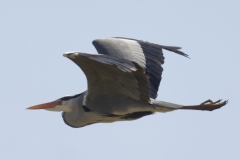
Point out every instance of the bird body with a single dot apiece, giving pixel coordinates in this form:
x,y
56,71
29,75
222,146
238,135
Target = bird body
x,y
123,81
110,110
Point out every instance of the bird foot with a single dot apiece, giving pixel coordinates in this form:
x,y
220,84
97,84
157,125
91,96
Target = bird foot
x,y
207,105
210,102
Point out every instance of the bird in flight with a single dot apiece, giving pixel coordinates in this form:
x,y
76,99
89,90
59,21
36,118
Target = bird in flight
x,y
123,81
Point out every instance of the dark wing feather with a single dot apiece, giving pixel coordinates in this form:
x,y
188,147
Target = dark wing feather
x,y
110,76
157,46
149,56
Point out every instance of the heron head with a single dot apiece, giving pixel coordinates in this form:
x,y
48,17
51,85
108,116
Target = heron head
x,y
65,104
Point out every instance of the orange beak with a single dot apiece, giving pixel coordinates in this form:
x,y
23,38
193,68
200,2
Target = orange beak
x,y
44,105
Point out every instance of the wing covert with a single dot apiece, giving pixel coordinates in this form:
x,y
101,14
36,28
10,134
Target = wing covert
x,y
107,75
147,55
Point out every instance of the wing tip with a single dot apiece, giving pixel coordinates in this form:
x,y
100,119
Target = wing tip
x,y
176,50
184,54
70,54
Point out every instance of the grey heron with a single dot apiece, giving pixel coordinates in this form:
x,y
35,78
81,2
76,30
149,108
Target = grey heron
x,y
123,81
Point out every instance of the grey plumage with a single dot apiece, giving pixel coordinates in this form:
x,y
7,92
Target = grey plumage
x,y
148,55
123,81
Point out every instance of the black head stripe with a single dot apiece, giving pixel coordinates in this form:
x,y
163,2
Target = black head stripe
x,y
69,97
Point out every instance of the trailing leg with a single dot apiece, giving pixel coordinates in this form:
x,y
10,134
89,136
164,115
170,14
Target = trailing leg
x,y
207,105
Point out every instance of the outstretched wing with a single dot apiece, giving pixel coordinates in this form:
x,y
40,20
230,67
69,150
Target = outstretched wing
x,y
113,77
147,55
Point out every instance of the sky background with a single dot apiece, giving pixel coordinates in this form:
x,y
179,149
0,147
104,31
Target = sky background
x,y
35,34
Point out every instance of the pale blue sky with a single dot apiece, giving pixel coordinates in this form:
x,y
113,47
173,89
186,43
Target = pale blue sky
x,y
33,36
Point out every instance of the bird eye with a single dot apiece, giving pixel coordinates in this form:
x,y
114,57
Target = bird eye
x,y
60,102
